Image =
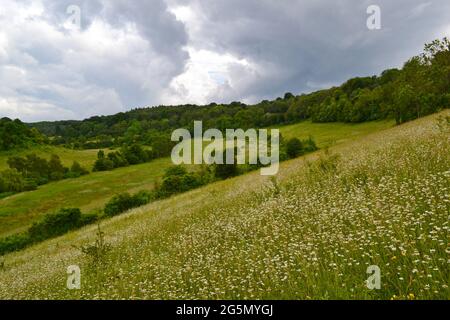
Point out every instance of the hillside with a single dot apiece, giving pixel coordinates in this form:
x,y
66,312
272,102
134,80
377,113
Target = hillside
x,y
419,88
381,199
93,191
85,157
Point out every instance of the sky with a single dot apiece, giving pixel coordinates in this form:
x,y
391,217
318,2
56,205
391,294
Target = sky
x,y
68,59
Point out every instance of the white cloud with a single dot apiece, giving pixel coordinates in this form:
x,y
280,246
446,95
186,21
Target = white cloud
x,y
208,74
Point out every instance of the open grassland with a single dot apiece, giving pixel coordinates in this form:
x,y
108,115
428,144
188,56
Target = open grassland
x,y
85,157
87,193
91,192
310,233
329,134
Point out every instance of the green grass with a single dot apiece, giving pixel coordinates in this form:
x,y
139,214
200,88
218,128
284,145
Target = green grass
x,y
87,193
85,157
328,134
310,234
93,191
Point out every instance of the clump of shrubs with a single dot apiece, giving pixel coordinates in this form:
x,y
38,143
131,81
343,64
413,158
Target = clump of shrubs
x,y
128,155
29,172
52,225
294,148
125,201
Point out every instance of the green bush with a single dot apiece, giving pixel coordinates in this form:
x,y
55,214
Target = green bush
x,y
55,224
124,202
76,170
87,218
294,148
177,179
14,243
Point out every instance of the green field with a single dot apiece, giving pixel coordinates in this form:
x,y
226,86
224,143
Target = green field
x,y
93,191
85,157
383,200
87,193
328,134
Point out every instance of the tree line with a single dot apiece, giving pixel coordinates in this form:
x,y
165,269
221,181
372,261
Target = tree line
x,y
419,88
29,172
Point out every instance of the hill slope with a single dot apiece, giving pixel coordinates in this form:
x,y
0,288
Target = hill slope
x,y
382,200
91,192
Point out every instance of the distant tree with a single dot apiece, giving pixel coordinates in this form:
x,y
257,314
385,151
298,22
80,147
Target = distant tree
x,y
288,96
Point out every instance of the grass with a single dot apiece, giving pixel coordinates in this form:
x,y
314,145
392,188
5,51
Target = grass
x,y
91,192
329,134
87,193
310,234
85,157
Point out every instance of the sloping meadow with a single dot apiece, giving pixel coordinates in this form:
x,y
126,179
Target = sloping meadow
x,y
310,233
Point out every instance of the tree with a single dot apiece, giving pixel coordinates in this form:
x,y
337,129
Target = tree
x,y
56,169
76,170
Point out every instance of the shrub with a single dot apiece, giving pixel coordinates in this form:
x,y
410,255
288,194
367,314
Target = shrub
x,y
103,165
177,179
14,243
97,252
142,198
124,202
11,181
294,148
87,218
76,170
55,224
225,171
310,145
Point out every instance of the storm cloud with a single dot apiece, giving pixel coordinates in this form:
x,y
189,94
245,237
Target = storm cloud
x,y
131,54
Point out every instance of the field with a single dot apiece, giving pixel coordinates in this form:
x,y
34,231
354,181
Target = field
x,y
382,199
329,134
93,191
85,157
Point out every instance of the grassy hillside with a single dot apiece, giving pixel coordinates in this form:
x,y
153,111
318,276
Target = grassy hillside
x,y
328,134
93,191
87,193
85,157
311,234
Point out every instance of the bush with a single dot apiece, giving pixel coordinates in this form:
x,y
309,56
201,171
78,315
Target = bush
x,y
55,224
177,179
77,171
87,218
142,198
14,243
11,181
310,145
103,165
124,202
294,148
225,171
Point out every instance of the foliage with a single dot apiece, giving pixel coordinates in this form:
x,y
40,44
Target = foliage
x,y
97,251
124,201
294,148
51,226
177,180
15,134
26,173
55,224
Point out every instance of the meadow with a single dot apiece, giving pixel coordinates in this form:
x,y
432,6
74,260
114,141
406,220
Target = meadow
x,y
85,157
310,233
91,192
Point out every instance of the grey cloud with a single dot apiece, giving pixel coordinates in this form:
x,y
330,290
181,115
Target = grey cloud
x,y
315,41
60,69
301,45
